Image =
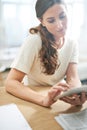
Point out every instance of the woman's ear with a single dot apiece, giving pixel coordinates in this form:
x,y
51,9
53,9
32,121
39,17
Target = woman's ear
x,y
41,21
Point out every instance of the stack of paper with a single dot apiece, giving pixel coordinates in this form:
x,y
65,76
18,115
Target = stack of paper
x,y
12,119
73,121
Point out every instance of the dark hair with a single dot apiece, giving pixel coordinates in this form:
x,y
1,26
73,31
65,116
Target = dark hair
x,y
48,53
43,5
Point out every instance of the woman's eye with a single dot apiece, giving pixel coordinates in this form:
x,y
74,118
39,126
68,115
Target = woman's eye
x,y
51,21
62,16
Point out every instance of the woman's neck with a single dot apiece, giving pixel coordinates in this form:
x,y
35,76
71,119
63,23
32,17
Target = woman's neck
x,y
59,43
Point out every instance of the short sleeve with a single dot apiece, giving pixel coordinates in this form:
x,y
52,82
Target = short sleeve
x,y
75,52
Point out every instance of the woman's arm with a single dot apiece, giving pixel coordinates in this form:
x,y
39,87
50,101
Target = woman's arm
x,y
73,80
15,86
72,77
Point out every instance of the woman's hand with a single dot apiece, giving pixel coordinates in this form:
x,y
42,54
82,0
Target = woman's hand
x,y
75,99
53,92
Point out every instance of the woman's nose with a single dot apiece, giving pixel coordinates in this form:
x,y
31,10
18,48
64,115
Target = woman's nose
x,y
59,24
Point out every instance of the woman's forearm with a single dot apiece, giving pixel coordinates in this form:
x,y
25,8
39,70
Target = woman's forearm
x,y
19,90
73,82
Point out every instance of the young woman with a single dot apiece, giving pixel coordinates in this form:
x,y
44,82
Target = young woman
x,y
46,57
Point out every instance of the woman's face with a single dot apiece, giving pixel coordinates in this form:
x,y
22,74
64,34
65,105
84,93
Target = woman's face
x,y
55,20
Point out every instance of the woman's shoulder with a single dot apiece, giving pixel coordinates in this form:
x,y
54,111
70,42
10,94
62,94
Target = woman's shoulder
x,y
33,38
71,41
32,41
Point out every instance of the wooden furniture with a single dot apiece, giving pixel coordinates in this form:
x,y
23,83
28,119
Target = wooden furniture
x,y
39,118
3,76
1,79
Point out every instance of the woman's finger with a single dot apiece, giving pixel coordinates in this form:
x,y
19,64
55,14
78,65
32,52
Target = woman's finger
x,y
83,97
72,100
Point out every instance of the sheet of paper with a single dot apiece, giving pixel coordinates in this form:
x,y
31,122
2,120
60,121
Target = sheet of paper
x,y
12,119
73,121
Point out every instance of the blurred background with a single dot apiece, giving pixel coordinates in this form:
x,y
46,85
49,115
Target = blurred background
x,y
17,16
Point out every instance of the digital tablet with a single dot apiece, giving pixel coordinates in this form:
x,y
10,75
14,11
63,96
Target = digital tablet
x,y
70,92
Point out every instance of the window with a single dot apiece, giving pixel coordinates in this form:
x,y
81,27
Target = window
x,y
17,18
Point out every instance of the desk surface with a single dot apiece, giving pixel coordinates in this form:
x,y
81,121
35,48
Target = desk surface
x,y
39,118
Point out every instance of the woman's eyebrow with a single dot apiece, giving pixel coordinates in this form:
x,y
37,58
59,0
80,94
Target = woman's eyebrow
x,y
63,12
50,18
